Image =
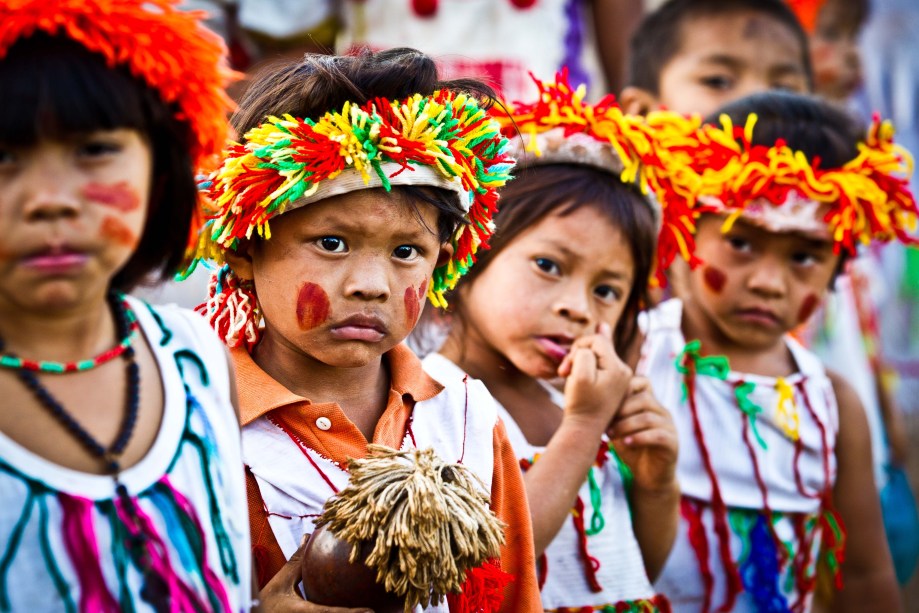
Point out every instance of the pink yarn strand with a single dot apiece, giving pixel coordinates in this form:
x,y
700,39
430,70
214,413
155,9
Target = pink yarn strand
x,y
80,541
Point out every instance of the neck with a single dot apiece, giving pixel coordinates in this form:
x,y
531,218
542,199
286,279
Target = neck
x,y
773,360
59,335
357,390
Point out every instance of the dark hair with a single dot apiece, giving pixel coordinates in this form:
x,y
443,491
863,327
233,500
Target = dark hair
x,y
848,16
310,87
819,129
541,190
659,37
53,88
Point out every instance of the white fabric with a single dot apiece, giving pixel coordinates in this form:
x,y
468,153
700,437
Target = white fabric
x,y
477,38
294,492
621,572
722,424
28,581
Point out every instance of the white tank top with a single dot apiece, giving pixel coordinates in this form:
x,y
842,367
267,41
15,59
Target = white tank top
x,y
764,446
458,423
601,521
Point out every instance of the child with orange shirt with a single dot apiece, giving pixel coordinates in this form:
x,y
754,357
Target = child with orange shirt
x,y
362,186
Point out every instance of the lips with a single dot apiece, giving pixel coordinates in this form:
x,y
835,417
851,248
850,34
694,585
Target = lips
x,y
555,346
56,261
361,327
759,316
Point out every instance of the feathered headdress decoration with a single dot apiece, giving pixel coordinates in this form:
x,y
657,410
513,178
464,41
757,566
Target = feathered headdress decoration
x,y
443,140
167,48
865,200
560,127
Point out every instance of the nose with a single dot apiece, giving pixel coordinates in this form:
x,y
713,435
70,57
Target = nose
x,y
49,193
573,305
767,279
368,279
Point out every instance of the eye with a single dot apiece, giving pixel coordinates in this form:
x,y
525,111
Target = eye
x,y
405,252
717,82
547,266
739,244
608,293
7,157
332,244
804,258
98,147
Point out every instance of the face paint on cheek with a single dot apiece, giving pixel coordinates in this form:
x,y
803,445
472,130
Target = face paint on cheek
x,y
714,279
113,229
312,306
808,307
118,196
412,306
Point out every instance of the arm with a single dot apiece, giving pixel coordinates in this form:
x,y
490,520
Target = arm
x,y
509,503
597,381
868,575
614,22
646,440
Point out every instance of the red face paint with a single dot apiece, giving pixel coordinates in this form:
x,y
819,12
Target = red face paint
x,y
119,196
312,306
714,279
114,230
412,306
808,307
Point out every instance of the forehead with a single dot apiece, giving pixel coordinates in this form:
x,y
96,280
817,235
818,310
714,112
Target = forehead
x,y
742,35
712,226
372,212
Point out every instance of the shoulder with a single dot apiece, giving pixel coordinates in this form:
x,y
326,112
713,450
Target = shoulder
x,y
853,423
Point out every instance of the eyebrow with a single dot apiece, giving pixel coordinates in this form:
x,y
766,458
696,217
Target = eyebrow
x,y
722,59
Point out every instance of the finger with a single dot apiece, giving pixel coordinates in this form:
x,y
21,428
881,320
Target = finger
x,y
584,365
602,347
289,576
642,402
637,423
651,438
639,384
564,369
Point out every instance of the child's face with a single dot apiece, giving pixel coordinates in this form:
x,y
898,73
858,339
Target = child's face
x,y
754,284
834,53
71,214
344,280
553,283
726,57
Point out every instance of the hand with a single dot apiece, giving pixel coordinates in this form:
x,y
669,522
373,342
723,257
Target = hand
x,y
280,595
645,438
597,379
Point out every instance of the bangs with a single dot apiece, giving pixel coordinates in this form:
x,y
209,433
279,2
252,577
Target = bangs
x,y
54,88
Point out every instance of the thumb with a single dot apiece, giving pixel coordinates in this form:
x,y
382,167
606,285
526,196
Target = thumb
x,y
290,574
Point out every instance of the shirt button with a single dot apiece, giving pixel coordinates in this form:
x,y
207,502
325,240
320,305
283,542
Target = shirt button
x,y
323,423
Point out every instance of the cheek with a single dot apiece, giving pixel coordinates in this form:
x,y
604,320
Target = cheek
x,y
114,230
808,307
119,196
312,306
714,279
413,300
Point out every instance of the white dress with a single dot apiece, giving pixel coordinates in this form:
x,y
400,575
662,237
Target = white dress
x,y
601,520
67,543
756,467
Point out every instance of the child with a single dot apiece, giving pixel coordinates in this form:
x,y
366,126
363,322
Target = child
x,y
557,295
692,56
119,447
373,205
775,458
834,48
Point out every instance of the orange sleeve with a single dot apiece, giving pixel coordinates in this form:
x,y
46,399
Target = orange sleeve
x,y
267,556
509,502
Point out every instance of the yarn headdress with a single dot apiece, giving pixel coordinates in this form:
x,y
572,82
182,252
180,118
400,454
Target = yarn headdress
x,y
167,48
560,127
443,140
866,199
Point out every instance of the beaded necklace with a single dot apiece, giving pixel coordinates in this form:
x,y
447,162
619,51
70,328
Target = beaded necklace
x,y
126,327
127,336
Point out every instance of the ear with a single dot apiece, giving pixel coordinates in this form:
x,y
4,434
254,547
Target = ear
x,y
637,101
241,260
446,252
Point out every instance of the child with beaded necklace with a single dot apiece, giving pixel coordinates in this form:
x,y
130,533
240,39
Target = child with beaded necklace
x,y
362,185
775,461
558,294
119,474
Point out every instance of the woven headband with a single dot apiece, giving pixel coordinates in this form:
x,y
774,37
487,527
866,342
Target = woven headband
x,y
165,47
866,199
560,127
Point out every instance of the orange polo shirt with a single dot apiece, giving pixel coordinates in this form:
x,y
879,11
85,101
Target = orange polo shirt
x,y
259,394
